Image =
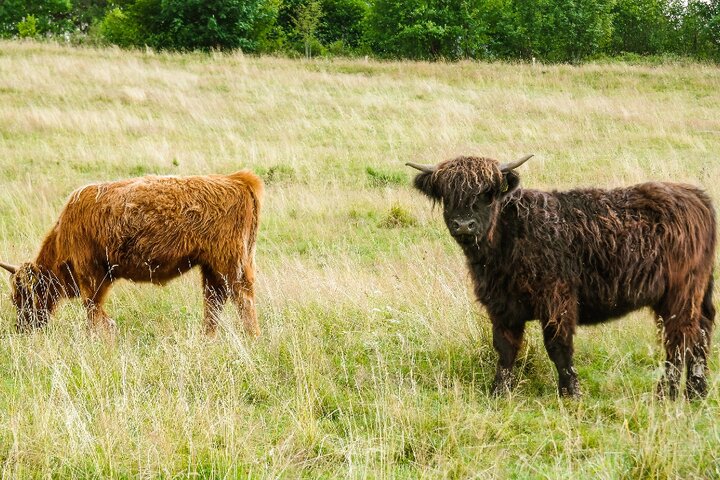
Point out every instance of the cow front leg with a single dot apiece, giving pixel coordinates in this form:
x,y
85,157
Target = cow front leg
x,y
507,341
94,294
558,338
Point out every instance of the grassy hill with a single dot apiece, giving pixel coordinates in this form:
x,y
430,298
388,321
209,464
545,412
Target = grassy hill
x,y
375,361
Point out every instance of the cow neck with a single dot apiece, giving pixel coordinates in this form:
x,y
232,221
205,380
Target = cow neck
x,y
493,252
50,264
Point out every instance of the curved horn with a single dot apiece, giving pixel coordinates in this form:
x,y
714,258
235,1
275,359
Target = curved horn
x,y
422,168
513,165
8,267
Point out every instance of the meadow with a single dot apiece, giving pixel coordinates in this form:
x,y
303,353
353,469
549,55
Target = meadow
x,y
374,361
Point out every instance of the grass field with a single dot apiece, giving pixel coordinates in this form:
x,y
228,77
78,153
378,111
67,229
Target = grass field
x,y
375,361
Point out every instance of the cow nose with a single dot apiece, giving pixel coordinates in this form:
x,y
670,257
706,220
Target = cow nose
x,y
464,227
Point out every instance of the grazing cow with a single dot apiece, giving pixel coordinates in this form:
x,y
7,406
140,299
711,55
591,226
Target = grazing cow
x,y
148,229
581,257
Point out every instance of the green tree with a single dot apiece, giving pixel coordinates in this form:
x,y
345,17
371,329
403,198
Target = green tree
x,y
427,29
552,30
576,29
699,33
186,24
207,24
343,21
51,16
641,26
306,23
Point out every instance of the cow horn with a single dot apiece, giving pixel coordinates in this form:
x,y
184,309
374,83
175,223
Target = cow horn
x,y
513,165
8,267
422,168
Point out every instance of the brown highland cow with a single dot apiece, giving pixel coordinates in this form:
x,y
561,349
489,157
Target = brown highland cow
x,y
149,229
582,257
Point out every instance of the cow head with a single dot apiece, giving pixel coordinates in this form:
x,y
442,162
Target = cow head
x,y
469,189
34,294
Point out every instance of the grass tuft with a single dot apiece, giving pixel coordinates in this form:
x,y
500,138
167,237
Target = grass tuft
x,y
397,217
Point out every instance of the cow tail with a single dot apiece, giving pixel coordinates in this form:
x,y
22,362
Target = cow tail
x,y
708,309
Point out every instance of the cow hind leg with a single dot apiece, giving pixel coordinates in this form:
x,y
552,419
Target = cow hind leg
x,y
681,332
697,369
215,294
243,295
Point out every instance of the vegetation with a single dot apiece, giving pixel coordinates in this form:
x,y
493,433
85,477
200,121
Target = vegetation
x,y
375,361
549,30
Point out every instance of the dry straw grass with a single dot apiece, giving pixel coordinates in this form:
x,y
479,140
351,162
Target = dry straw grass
x,y
374,360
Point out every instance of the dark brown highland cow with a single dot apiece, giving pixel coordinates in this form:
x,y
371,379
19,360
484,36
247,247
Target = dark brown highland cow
x,y
149,229
582,257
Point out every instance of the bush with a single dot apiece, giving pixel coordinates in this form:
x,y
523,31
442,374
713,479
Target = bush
x,y
27,28
119,29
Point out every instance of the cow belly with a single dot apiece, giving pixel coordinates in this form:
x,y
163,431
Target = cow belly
x,y
590,314
596,310
153,271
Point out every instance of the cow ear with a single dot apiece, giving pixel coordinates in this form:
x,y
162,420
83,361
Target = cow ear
x,y
510,182
425,182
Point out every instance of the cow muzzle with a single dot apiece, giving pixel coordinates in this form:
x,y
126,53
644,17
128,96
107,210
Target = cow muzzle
x,y
464,227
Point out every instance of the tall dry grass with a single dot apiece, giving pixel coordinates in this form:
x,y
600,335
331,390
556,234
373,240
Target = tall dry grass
x,y
374,360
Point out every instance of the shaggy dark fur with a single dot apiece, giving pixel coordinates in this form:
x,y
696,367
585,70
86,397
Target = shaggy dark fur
x,y
149,229
582,257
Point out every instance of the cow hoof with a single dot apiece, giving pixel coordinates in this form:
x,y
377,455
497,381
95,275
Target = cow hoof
x,y
503,383
253,333
570,389
570,392
696,388
501,388
666,392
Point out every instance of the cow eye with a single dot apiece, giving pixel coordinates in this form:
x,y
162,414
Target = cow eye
x,y
481,200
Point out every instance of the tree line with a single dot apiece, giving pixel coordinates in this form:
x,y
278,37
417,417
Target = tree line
x,y
549,30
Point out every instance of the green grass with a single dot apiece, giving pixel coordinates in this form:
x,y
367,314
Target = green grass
x,y
375,360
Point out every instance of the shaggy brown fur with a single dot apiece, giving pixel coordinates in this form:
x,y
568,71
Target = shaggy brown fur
x,y
149,229
582,257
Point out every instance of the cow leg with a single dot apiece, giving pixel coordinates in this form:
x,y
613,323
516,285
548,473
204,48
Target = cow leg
x,y
243,294
507,341
215,293
682,336
93,292
697,369
558,337
678,344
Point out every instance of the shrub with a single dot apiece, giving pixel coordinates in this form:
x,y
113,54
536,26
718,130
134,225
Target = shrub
x,y
119,29
27,27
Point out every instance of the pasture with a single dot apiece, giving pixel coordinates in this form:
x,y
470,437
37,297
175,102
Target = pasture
x,y
374,360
